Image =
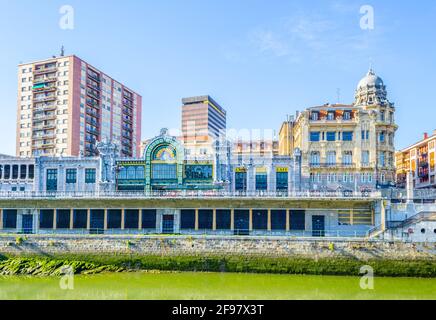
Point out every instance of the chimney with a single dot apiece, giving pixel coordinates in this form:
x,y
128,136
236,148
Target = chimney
x,y
425,135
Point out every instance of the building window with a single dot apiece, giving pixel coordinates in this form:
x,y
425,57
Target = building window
x,y
15,171
187,219
90,175
347,115
261,181
260,219
71,176
52,180
314,158
46,218
331,157
281,181
365,157
205,219
240,181
223,219
9,218
7,173
331,115
382,161
331,136
382,137
314,116
149,219
347,136
347,158
314,136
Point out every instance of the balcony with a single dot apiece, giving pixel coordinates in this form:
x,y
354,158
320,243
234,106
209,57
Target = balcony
x,y
92,131
129,129
92,103
46,126
94,76
44,145
126,135
128,95
45,108
44,89
44,80
92,113
44,99
44,136
91,121
92,85
92,94
45,70
126,143
44,117
333,165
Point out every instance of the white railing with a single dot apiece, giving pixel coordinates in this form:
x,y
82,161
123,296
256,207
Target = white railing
x,y
187,194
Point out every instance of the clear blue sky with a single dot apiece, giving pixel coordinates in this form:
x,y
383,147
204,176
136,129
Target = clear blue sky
x,y
259,59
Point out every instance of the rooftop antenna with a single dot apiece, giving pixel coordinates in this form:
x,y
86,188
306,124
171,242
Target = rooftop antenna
x,y
370,64
338,93
62,51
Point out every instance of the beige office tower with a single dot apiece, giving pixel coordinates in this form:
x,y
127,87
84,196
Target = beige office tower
x,y
203,121
65,106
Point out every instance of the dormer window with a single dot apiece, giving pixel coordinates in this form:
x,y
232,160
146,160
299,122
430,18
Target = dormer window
x,y
314,116
347,115
331,115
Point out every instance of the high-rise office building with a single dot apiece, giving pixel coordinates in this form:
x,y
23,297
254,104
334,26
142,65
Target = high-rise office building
x,y
65,106
203,121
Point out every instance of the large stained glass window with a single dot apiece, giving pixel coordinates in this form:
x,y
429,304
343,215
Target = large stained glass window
x,y
164,153
198,172
164,171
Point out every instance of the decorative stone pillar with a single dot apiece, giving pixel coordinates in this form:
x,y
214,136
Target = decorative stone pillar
x,y
140,219
288,220
232,219
71,219
1,219
55,218
105,220
250,220
123,214
88,219
269,220
214,219
196,219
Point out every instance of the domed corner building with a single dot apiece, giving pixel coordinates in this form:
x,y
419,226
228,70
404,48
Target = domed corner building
x,y
166,167
349,146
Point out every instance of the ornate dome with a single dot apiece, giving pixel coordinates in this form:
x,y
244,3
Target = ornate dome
x,y
370,80
371,91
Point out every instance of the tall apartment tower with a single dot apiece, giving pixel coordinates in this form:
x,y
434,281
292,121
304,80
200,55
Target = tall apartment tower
x,y
203,121
65,106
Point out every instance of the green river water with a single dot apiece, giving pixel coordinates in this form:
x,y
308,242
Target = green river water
x,y
215,286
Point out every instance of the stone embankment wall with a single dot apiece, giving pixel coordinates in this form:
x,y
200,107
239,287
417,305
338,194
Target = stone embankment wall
x,y
192,245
